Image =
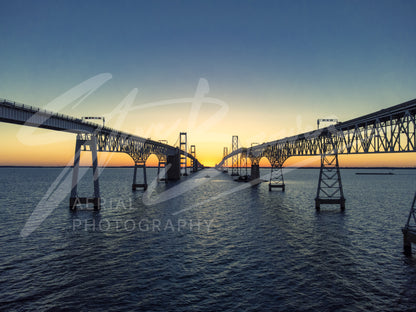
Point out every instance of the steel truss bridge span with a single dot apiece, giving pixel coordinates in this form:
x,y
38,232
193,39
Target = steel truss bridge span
x,y
95,138
108,139
390,130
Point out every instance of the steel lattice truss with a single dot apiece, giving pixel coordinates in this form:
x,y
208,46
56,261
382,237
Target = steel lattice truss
x,y
234,160
108,139
390,130
411,220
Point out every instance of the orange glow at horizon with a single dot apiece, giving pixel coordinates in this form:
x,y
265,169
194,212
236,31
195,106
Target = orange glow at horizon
x,y
62,154
209,153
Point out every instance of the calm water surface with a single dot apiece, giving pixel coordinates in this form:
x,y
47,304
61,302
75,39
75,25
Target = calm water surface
x,y
246,250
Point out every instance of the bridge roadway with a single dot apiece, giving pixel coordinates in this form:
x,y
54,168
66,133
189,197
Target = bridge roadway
x,y
108,139
390,130
96,138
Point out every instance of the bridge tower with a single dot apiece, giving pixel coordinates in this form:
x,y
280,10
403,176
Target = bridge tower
x,y
409,231
234,164
329,185
85,141
183,145
225,163
193,162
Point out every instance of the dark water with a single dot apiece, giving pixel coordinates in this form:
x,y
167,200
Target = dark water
x,y
249,250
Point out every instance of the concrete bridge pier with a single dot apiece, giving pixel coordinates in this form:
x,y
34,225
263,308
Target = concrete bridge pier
x,y
255,172
194,164
161,164
254,177
135,185
194,167
174,163
74,200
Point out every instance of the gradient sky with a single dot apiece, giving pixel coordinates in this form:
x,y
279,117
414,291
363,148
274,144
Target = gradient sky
x,y
276,66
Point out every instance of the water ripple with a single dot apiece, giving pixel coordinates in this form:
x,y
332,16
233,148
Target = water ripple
x,y
264,251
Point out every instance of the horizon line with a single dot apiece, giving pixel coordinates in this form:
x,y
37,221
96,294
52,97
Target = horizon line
x,y
263,167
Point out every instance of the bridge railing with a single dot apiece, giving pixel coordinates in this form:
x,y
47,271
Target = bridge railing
x,y
44,111
95,128
351,137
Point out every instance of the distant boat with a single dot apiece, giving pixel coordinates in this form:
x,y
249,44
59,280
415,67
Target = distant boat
x,y
374,173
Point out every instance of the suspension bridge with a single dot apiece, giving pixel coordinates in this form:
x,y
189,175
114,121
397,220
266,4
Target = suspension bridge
x,y
391,130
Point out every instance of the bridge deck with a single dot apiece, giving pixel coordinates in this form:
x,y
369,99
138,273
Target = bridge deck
x,y
109,139
390,130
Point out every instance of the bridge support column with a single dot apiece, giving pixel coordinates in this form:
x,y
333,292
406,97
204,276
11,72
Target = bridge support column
x,y
183,144
161,164
74,200
329,185
407,243
234,160
194,164
174,172
225,164
255,171
135,185
243,168
276,177
409,232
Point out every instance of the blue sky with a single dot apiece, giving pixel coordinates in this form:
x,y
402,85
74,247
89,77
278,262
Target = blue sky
x,y
270,61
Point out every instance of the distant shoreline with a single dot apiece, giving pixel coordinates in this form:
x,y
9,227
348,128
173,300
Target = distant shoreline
x,y
289,167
